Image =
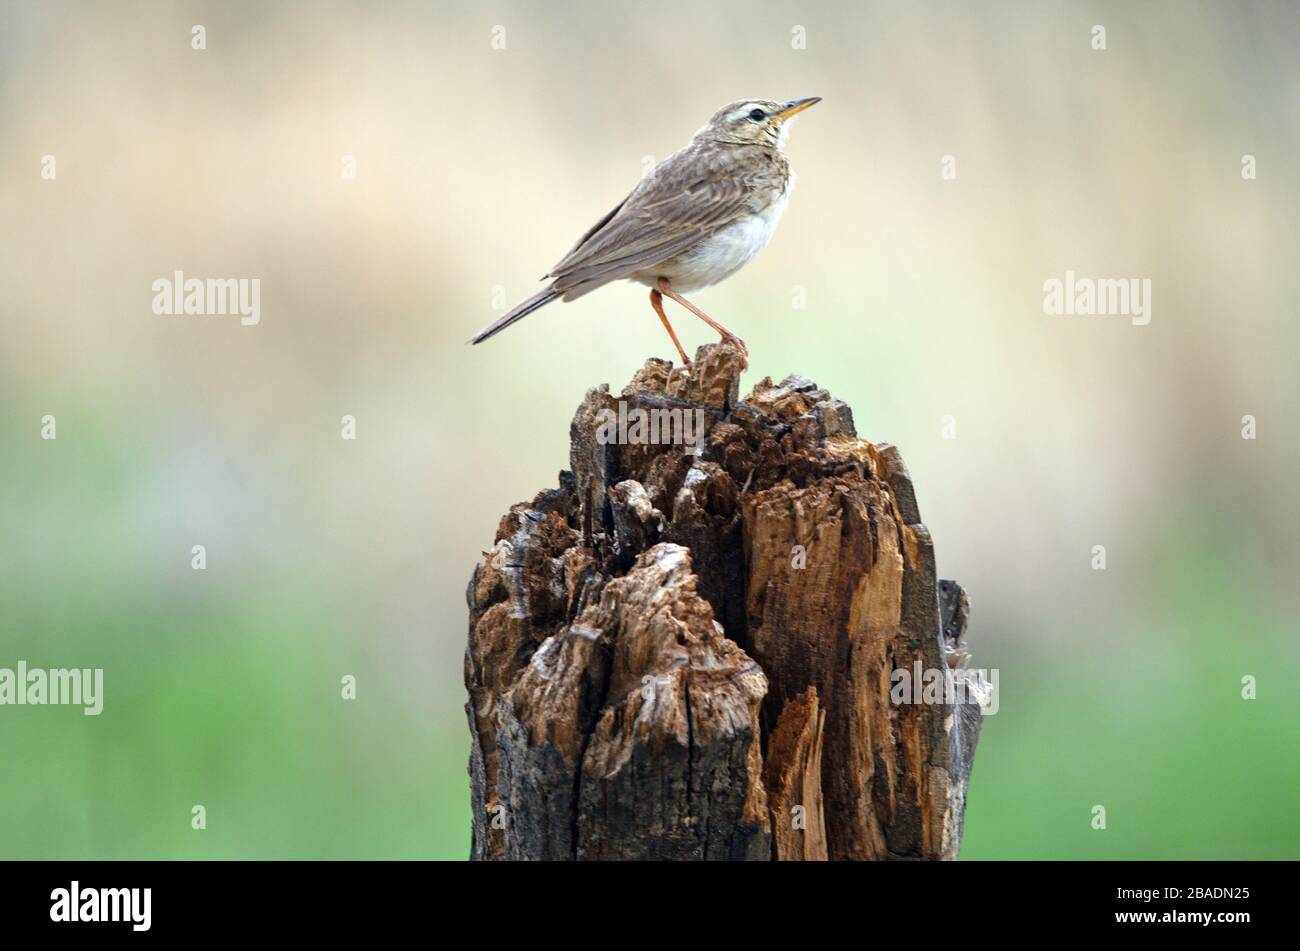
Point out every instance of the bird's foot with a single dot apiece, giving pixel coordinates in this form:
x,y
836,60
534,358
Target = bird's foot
x,y
739,345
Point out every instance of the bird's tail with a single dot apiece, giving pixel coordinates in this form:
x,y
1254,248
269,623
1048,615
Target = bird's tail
x,y
519,313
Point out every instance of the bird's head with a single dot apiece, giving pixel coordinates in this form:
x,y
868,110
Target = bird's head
x,y
755,121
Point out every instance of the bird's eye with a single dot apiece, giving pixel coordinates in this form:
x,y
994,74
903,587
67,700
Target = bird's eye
x,y
758,115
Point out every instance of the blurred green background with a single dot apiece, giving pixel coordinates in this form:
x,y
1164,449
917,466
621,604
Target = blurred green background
x,y
476,168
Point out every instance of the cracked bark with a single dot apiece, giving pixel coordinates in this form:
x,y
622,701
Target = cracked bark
x,y
687,651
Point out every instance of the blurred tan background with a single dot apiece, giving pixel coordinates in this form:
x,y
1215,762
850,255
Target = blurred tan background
x,y
476,168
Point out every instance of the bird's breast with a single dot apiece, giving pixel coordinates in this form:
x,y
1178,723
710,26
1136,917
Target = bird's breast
x,y
718,256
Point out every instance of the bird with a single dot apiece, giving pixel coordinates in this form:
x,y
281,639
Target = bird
x,y
693,220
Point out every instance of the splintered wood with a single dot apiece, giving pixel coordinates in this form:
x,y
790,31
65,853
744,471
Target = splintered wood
x,y
687,650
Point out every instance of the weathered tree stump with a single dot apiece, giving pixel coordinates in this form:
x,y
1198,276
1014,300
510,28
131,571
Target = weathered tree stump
x,y
686,651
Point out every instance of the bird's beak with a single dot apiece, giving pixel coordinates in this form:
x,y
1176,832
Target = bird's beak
x,y
794,107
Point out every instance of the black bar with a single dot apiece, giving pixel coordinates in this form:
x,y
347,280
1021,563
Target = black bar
x,y
874,900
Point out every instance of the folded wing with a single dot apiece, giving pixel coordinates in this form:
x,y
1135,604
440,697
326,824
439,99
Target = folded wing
x,y
683,200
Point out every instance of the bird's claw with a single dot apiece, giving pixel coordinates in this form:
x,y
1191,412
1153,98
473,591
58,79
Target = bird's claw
x,y
739,345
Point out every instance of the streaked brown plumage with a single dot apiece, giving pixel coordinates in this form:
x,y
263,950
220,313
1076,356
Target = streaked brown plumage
x,y
698,216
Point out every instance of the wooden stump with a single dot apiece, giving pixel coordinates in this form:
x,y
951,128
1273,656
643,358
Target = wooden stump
x,y
687,650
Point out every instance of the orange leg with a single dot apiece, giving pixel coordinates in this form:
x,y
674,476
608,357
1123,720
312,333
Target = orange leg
x,y
664,287
657,302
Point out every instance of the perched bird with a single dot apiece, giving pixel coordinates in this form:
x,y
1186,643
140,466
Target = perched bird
x,y
699,216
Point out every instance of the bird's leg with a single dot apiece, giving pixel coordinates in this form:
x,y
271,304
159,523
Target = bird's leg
x,y
657,302
663,286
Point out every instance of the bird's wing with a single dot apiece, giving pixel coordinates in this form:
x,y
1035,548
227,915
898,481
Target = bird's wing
x,y
683,200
